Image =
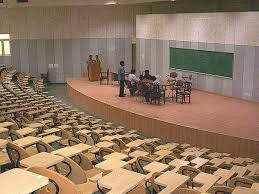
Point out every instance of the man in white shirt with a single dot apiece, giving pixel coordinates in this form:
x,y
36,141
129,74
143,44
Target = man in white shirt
x,y
133,80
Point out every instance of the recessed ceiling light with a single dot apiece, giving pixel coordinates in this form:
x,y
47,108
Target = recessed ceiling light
x,y
173,0
111,3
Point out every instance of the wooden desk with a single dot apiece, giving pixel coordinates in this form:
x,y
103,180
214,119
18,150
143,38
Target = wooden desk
x,y
3,130
135,143
43,159
67,152
25,131
104,144
253,168
255,186
241,190
64,127
84,131
82,147
111,164
51,139
27,141
228,160
108,138
171,181
6,124
18,181
207,181
156,167
217,162
199,162
3,143
138,153
121,181
240,170
116,155
239,161
168,146
162,152
177,163
224,174
50,131
35,125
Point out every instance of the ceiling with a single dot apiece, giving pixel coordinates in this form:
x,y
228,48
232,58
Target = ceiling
x,y
13,3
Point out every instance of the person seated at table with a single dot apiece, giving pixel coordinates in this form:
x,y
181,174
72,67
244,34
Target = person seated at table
x,y
133,81
153,87
147,76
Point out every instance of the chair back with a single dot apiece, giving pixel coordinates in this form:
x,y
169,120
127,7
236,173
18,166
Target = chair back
x,y
186,191
173,75
16,154
44,147
58,184
179,83
14,135
95,136
189,171
241,181
71,170
220,190
141,162
73,141
105,151
188,86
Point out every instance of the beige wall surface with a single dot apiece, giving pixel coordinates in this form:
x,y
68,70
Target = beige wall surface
x,y
239,28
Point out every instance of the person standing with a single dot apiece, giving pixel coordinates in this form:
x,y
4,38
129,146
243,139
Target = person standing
x,y
98,61
121,78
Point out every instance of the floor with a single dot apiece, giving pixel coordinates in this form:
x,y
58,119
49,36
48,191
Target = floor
x,y
207,111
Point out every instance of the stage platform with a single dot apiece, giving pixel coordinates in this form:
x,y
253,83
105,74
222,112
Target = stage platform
x,y
223,124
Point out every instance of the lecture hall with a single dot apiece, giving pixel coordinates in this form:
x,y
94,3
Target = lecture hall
x,y
129,97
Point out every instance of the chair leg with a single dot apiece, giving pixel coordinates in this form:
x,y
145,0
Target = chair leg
x,y
182,98
189,98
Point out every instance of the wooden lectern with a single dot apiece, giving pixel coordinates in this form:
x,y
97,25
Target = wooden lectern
x,y
94,70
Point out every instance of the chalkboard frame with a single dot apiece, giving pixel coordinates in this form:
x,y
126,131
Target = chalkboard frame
x,y
228,75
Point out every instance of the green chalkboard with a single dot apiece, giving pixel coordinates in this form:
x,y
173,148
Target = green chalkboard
x,y
209,62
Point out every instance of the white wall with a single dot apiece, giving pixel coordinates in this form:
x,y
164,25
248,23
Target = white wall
x,y
67,35
236,33
239,28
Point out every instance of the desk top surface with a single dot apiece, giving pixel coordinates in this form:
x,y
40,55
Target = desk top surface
x,y
18,181
165,180
43,159
121,181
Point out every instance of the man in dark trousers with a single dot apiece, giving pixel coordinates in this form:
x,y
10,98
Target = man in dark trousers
x,y
121,77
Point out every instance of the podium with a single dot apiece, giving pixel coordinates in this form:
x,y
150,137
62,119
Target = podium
x,y
94,71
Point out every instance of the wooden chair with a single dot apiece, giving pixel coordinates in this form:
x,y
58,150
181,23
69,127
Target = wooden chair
x,y
103,152
141,162
105,75
241,181
168,158
186,191
15,135
95,136
148,147
44,147
220,190
185,93
73,141
59,184
74,171
189,171
16,154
